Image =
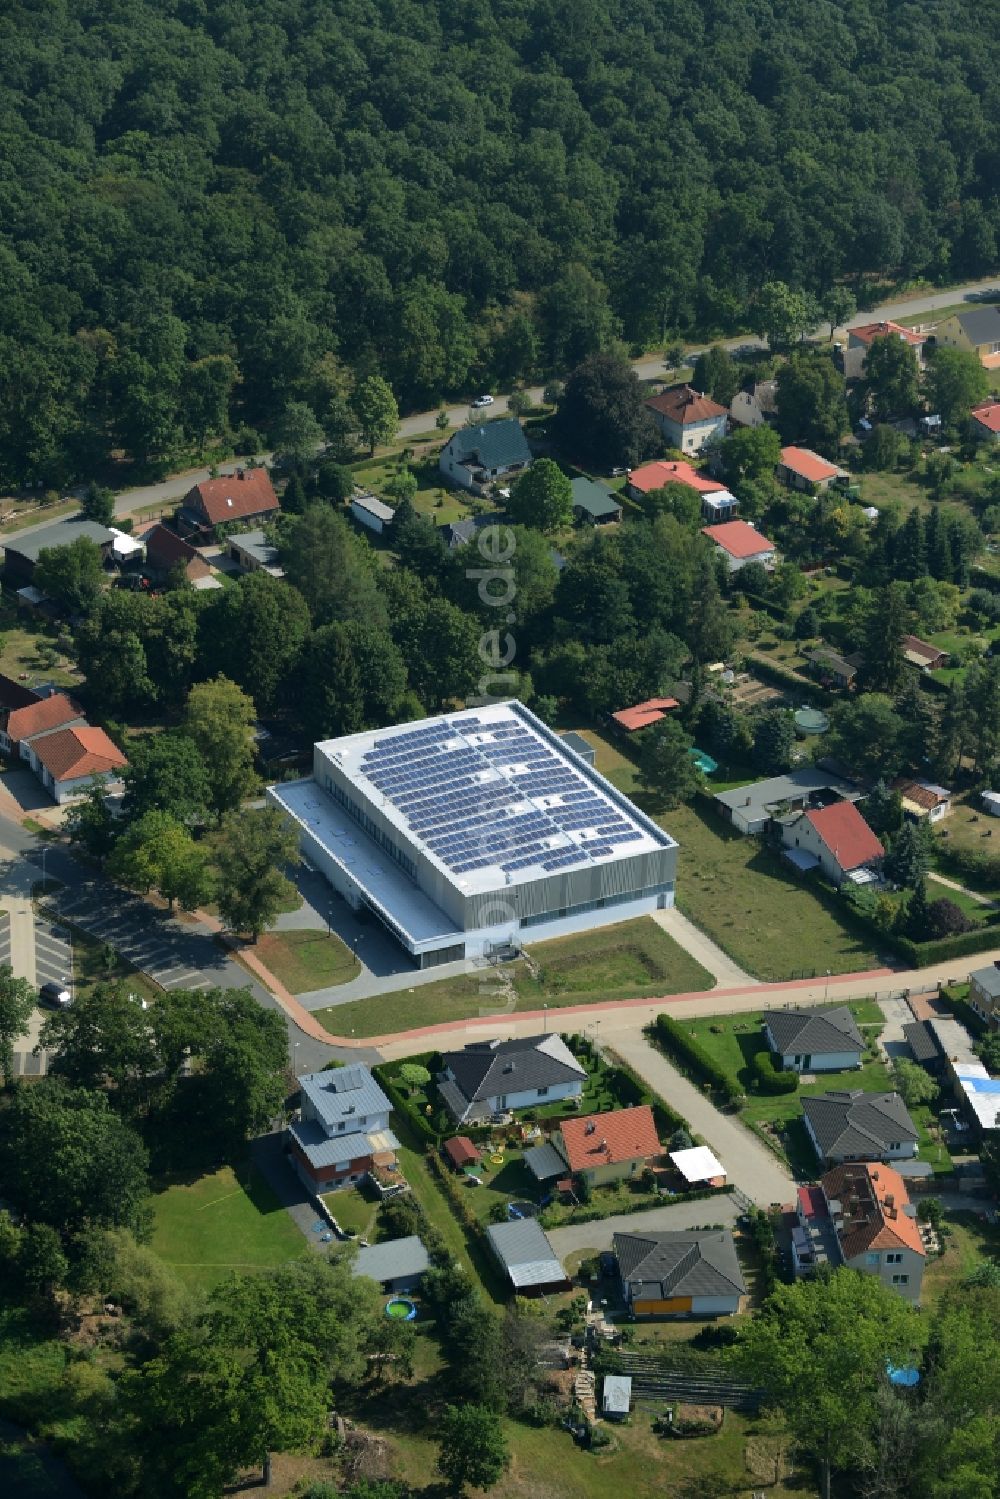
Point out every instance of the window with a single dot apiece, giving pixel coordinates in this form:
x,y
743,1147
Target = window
x,y
541,1092
894,1145
871,1259
901,1280
894,1259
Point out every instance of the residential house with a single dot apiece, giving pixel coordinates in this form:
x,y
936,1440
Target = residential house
x,y
19,726
580,746
371,513
494,1077
13,696
642,481
923,801
594,504
21,552
523,1252
740,543
255,554
876,1225
837,840
67,761
984,993
860,1216
922,654
977,331
612,1147
458,533
246,495
616,1396
971,1083
814,1040
165,550
801,468
852,1125
699,1166
687,418
477,456
681,1274
397,1265
643,714
985,421
832,669
342,1134
755,407
860,340
751,808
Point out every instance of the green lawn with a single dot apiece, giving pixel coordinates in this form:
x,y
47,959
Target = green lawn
x,y
353,1210
969,1241
734,1040
27,651
627,961
227,1221
90,967
303,960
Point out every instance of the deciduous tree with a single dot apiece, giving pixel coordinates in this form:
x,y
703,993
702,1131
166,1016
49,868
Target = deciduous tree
x,y
473,1449
220,719
251,849
17,1001
541,497
71,575
376,412
666,765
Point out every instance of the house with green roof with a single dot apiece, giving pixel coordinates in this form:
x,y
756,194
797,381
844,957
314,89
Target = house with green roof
x,y
476,457
593,503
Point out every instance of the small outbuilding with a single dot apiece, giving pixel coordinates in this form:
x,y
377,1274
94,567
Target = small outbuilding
x,y
699,1166
616,1397
397,1265
526,1257
374,514
460,1152
580,746
594,503
990,802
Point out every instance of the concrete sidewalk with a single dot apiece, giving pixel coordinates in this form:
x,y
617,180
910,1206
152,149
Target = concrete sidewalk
x,y
700,947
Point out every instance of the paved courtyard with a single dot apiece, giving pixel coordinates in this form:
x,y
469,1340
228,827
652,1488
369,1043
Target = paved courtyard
x,y
672,1217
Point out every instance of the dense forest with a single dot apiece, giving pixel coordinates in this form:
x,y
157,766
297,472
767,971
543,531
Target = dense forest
x,y
211,209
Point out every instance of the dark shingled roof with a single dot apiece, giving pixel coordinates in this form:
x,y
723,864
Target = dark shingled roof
x,y
488,1069
813,1031
981,325
595,499
498,444
857,1123
920,1039
659,1266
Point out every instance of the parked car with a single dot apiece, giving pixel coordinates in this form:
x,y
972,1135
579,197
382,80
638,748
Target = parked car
x,y
481,401
54,996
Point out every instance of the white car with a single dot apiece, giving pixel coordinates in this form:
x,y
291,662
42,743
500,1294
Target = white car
x,y
482,401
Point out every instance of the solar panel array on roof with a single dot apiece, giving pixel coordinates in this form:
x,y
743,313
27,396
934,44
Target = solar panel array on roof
x,y
482,793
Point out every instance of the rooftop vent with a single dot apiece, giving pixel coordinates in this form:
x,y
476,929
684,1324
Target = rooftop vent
x,y
591,1127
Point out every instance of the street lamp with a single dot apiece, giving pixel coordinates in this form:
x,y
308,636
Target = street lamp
x,y
826,987
546,1026
295,1058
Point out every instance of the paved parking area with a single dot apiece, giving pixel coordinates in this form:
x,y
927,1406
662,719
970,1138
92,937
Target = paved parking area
x,y
53,954
148,939
4,938
672,1217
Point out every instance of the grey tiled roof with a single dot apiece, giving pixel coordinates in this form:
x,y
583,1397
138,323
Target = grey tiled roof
x,y
852,1122
497,444
981,325
344,1094
489,1069
813,1031
594,498
754,800
988,980
395,1258
321,1149
659,1266
61,534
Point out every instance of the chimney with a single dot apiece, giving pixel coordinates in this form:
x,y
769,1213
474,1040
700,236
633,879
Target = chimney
x,y
591,1127
239,473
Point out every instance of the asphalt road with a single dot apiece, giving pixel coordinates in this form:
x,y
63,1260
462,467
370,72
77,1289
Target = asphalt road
x,y
649,367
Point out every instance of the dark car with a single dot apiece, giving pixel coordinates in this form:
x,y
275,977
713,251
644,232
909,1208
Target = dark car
x,y
55,996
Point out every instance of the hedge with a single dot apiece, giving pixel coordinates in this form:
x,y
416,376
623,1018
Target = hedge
x,y
386,1073
629,1090
926,954
641,1205
770,1077
963,1011
975,862
784,676
693,1057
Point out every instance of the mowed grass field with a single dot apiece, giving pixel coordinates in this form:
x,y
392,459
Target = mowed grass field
x,y
229,1221
631,960
770,921
303,959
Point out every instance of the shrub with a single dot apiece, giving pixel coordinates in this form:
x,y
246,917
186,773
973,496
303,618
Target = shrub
x,y
945,919
692,1056
771,1077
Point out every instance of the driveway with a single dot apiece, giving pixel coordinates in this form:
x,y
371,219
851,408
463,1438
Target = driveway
x,y
677,1215
892,1042
704,951
749,1164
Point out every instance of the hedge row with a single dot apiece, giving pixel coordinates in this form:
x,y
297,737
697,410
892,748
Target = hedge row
x,y
768,606
628,1089
642,1205
926,954
784,676
770,1077
688,1051
386,1075
975,862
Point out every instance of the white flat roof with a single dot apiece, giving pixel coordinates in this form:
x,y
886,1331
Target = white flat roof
x,y
379,876
697,1164
492,797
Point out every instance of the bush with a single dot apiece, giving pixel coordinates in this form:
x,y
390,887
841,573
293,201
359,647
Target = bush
x,y
688,1051
945,919
772,1078
783,676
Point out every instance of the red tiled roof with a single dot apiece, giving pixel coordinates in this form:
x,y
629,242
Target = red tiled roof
x,y
655,475
645,713
609,1139
233,498
808,465
685,405
164,548
988,415
738,538
38,718
846,834
83,751
914,646
873,1199
921,792
461,1151
812,1202
868,332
